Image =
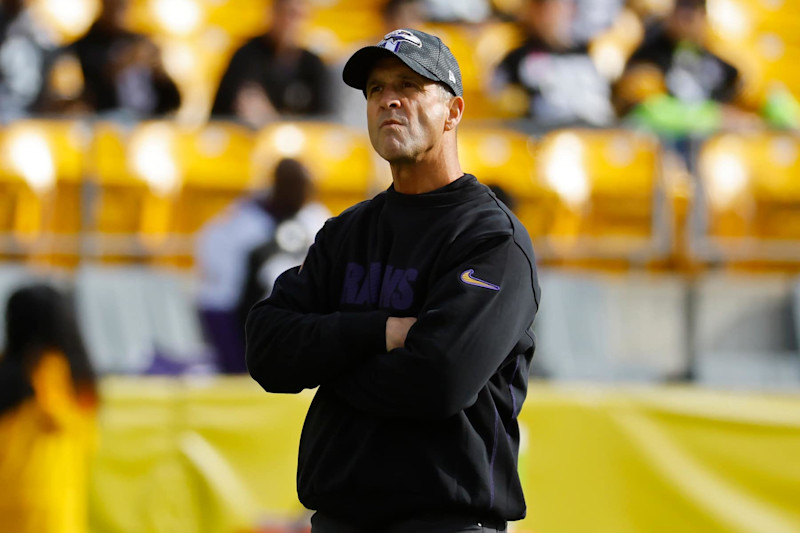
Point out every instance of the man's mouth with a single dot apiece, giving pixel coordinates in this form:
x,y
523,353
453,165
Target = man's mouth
x,y
391,122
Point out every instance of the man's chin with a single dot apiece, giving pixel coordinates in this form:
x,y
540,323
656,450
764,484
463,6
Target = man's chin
x,y
395,155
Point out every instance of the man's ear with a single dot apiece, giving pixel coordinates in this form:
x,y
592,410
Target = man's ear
x,y
455,112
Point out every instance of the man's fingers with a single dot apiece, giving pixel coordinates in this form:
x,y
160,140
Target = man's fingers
x,y
397,330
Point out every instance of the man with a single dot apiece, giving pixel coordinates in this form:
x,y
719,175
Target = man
x,y
412,314
552,73
272,75
25,53
122,70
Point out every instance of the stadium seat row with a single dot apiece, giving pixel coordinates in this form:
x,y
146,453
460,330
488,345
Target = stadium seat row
x,y
139,192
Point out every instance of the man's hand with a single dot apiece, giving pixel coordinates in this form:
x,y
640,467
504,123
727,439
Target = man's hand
x,y
252,105
397,330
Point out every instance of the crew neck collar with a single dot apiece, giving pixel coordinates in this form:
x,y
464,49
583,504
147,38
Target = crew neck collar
x,y
451,193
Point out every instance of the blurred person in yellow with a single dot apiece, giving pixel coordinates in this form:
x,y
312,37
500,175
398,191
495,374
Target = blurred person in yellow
x,y
47,405
272,75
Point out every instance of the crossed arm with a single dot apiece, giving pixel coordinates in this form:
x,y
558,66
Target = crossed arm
x,y
429,366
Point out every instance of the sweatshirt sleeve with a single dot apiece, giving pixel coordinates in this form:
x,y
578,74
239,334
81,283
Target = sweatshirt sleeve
x,y
475,314
294,343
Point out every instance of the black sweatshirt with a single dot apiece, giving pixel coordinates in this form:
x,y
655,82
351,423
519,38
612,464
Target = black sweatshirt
x,y
430,428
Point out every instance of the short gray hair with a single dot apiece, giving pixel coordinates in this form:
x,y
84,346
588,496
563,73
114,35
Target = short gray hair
x,y
445,90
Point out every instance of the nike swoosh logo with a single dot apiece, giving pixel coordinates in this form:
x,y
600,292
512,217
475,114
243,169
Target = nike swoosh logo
x,y
469,279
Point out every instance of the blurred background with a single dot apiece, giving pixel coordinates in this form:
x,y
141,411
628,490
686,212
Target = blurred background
x,y
162,161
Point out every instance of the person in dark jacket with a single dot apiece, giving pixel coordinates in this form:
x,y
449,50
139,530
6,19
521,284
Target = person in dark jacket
x,y
122,70
412,314
272,75
674,85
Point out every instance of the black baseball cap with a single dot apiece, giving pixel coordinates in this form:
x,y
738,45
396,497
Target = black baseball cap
x,y
422,52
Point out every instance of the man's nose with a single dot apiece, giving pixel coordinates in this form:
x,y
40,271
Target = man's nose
x,y
390,99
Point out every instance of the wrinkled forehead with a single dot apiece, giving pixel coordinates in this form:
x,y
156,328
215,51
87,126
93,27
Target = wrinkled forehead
x,y
389,67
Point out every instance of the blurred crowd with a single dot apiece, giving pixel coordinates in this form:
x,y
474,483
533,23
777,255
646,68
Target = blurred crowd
x,y
648,63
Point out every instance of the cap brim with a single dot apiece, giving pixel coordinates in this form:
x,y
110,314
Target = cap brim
x,y
357,69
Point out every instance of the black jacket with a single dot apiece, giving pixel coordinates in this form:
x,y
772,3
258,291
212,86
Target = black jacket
x,y
100,52
691,72
297,85
424,429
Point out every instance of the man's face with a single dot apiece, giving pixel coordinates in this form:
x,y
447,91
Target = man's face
x,y
114,13
551,20
688,23
288,16
406,112
409,15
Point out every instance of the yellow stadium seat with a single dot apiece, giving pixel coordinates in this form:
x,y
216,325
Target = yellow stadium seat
x,y
241,19
41,179
494,41
741,18
339,157
135,176
167,17
749,209
778,63
159,182
334,33
509,8
504,157
216,169
63,23
611,48
761,39
478,49
197,65
610,191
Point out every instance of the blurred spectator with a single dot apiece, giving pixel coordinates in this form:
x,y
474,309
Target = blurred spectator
x,y
594,16
472,11
224,246
272,75
397,14
122,71
675,86
25,52
289,242
47,405
550,73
